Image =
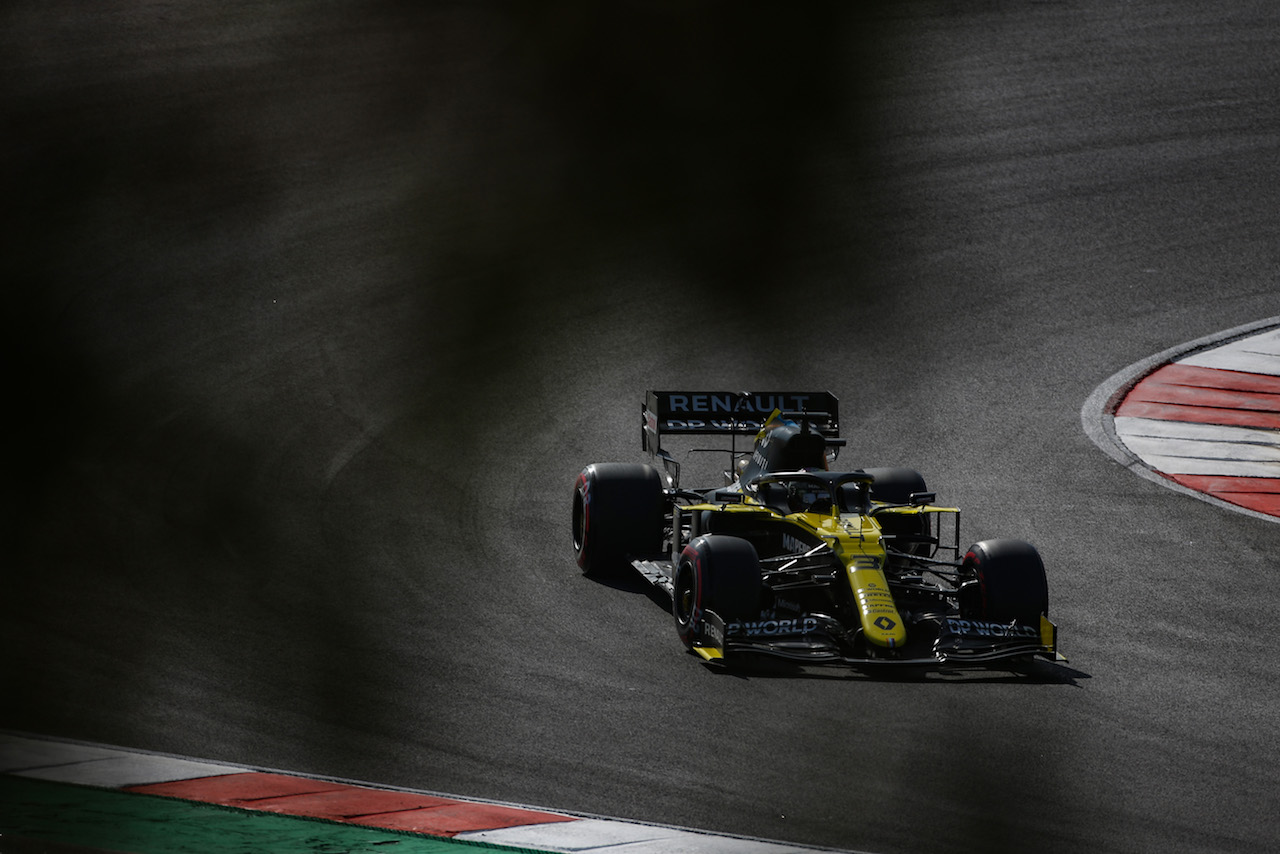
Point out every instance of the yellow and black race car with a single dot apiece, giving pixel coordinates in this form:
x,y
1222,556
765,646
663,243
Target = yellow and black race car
x,y
791,558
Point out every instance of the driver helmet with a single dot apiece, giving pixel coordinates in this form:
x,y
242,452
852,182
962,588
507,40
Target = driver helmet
x,y
802,495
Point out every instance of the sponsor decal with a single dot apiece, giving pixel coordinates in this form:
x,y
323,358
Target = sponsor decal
x,y
584,483
709,404
873,599
772,628
884,624
978,628
730,412
741,426
795,545
714,633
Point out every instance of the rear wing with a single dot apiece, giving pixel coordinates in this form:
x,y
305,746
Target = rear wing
x,y
729,413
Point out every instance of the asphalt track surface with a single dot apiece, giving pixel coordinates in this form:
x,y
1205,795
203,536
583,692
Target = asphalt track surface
x,y
316,310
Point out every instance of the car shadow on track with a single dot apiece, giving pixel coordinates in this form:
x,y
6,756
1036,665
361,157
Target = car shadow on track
x,y
633,583
1036,672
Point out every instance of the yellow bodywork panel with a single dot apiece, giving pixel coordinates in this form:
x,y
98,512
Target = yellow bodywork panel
x,y
1049,639
856,540
881,622
1048,634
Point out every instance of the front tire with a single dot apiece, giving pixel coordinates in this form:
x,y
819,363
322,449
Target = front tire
x,y
618,514
1004,582
717,573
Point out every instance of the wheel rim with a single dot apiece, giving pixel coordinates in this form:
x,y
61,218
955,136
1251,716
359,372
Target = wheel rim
x,y
684,598
579,522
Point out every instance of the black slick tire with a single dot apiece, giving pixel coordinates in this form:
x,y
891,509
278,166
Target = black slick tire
x,y
618,514
1004,581
896,486
716,573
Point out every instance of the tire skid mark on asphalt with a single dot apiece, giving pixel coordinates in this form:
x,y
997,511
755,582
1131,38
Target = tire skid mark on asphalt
x,y
1205,419
426,813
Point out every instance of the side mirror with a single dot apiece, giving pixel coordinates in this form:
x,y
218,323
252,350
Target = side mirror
x,y
919,499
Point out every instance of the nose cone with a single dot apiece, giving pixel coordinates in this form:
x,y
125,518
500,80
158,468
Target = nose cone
x,y
882,625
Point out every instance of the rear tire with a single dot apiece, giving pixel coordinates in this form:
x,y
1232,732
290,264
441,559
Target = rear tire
x,y
618,514
1004,581
717,573
896,486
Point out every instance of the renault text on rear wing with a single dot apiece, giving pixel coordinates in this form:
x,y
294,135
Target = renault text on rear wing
x,y
712,412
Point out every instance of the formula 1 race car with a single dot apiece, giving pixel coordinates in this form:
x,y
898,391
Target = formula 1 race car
x,y
790,558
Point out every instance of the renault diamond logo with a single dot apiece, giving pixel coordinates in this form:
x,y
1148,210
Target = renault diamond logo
x,y
884,624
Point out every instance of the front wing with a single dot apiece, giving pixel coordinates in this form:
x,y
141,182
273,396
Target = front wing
x,y
818,640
